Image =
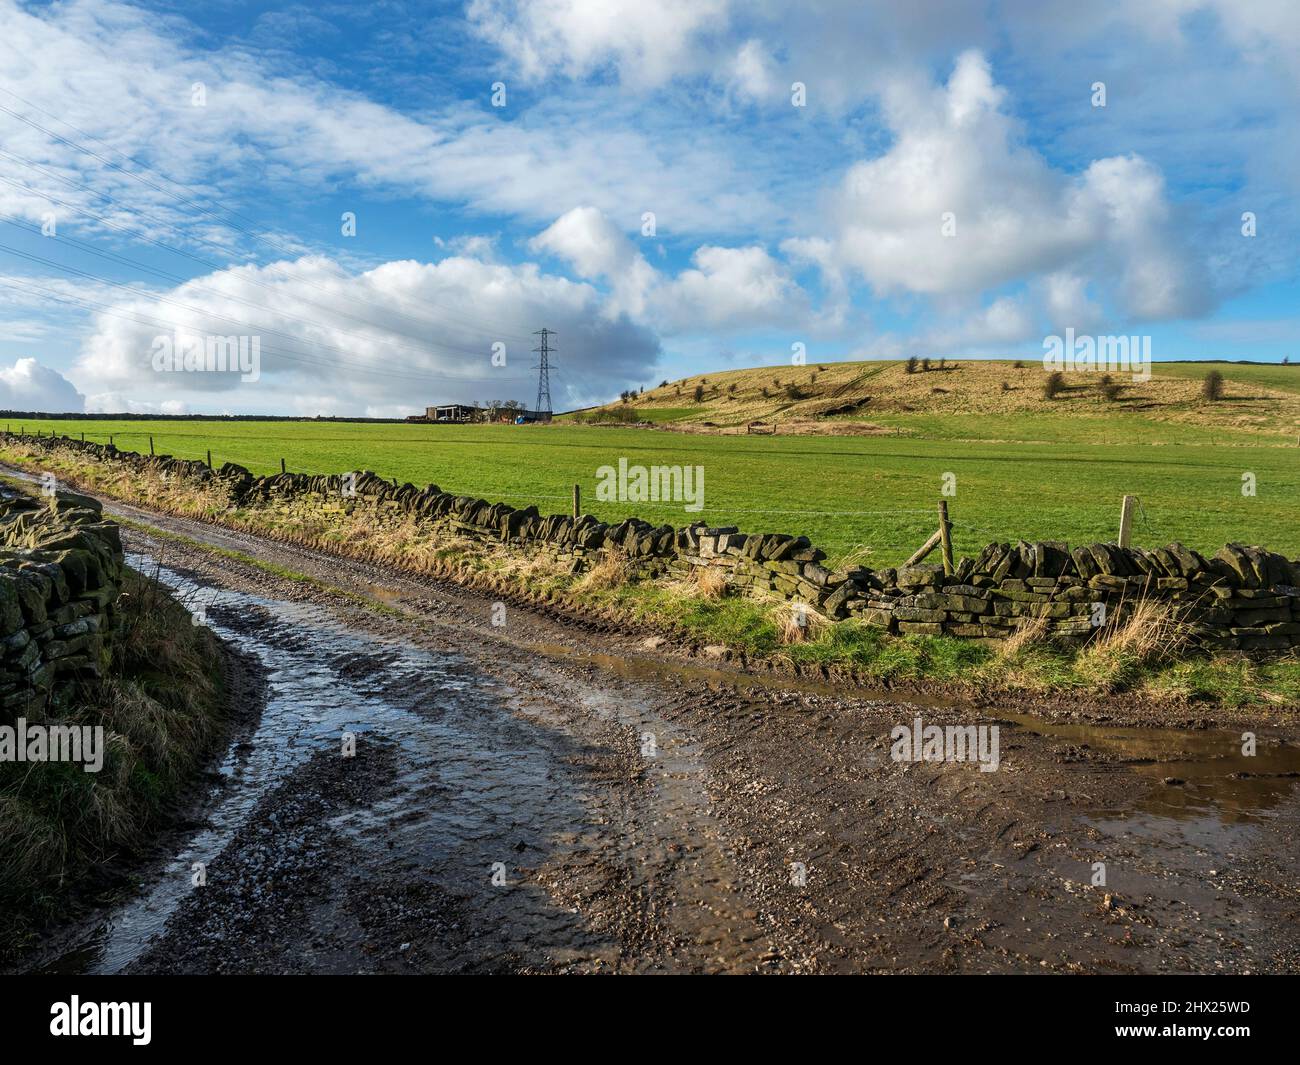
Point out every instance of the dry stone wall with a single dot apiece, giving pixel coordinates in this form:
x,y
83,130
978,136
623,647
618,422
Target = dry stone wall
x,y
1242,598
60,574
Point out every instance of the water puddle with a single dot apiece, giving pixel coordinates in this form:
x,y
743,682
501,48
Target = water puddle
x,y
1203,787
476,784
1195,772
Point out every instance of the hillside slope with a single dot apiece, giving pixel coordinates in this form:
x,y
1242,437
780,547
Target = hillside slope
x,y
866,397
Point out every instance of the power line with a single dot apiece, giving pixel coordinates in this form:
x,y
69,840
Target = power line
x,y
231,297
112,311
417,321
214,266
186,201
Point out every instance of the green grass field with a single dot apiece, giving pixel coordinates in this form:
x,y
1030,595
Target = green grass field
x,y
1265,375
871,498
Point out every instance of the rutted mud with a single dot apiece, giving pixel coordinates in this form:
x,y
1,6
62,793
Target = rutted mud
x,y
653,816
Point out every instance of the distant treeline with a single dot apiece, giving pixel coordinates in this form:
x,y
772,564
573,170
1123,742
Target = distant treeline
x,y
44,416
37,415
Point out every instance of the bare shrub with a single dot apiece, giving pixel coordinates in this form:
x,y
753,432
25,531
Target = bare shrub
x,y
1212,386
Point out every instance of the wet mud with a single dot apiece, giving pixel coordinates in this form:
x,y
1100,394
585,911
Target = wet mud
x,y
546,797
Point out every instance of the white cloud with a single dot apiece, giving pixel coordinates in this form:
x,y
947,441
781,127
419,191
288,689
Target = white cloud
x,y
647,43
1004,323
596,248
117,403
732,287
1067,304
752,75
29,386
335,342
276,134
844,50
959,205
727,288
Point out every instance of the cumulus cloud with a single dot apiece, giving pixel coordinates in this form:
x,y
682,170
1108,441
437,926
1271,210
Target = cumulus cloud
x,y
27,385
1067,304
596,248
844,50
959,204
731,287
726,288
1003,324
337,342
117,403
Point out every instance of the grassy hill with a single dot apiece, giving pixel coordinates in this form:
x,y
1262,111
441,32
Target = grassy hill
x,y
977,399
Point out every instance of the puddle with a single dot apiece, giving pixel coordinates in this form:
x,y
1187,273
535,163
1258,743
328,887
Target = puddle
x,y
476,783
1212,777
1217,785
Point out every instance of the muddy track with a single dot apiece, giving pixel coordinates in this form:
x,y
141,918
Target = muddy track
x,y
546,795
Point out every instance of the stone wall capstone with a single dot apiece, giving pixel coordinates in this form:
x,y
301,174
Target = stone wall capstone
x,y
1242,598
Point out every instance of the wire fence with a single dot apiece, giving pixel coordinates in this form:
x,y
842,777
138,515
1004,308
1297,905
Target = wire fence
x,y
847,533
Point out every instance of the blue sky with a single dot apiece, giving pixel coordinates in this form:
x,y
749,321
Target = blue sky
x,y
943,183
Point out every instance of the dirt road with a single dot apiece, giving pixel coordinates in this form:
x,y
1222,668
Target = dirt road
x,y
544,796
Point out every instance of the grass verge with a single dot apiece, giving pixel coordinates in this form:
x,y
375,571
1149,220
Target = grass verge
x,y
162,707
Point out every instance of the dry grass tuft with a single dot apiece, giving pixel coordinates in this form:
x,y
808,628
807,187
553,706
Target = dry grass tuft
x,y
1034,632
610,572
1118,657
1151,632
709,583
799,623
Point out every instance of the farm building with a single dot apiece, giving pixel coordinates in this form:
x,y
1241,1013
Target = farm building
x,y
452,412
459,413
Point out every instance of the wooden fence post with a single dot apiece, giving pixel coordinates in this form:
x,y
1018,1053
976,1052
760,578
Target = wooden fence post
x,y
945,535
577,505
924,549
1126,520
282,469
151,445
209,458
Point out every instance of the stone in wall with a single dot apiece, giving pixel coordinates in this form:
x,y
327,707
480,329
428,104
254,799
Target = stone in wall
x,y
60,575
